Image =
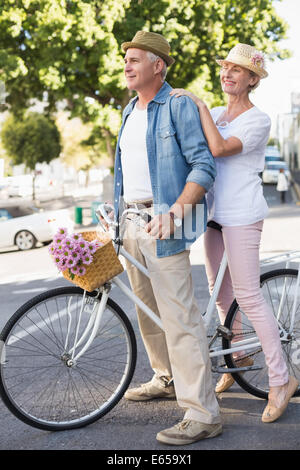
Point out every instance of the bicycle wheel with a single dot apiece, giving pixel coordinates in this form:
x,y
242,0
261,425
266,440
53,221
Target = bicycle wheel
x,y
279,290
37,382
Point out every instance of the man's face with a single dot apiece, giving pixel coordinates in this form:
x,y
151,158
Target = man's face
x,y
139,70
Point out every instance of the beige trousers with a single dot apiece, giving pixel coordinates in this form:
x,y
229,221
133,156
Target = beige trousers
x,y
181,351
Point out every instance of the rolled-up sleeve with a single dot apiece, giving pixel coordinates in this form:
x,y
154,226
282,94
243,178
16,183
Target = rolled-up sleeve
x,y
192,142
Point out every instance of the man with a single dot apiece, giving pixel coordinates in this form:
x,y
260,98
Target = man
x,y
164,166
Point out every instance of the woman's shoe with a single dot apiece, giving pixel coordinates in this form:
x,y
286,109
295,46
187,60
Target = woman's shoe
x,y
273,412
227,380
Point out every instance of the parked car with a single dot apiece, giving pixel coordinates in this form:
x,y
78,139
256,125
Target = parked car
x,y
272,154
271,171
25,225
273,158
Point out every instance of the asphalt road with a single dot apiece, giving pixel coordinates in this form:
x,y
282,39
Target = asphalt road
x,y
133,426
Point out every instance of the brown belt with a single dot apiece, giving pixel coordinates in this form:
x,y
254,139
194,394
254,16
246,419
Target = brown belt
x,y
138,205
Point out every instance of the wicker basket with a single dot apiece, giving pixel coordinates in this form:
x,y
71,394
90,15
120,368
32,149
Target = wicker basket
x,y
104,267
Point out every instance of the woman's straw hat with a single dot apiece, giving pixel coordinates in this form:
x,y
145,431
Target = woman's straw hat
x,y
152,42
248,57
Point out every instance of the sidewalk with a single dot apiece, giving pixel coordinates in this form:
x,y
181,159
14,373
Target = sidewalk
x,y
296,185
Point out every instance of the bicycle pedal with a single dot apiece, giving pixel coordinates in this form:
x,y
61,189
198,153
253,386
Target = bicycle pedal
x,y
225,332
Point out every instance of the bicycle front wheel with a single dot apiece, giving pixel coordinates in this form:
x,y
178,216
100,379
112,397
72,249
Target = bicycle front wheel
x,y
279,290
37,381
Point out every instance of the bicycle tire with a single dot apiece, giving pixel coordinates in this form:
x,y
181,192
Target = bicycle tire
x,y
256,382
38,386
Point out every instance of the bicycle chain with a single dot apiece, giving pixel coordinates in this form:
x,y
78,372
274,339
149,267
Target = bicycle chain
x,y
244,333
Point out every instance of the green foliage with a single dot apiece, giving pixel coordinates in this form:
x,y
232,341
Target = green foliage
x,y
32,140
200,31
69,50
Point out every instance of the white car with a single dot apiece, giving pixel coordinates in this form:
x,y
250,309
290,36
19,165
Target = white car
x,y
25,225
272,154
272,151
271,171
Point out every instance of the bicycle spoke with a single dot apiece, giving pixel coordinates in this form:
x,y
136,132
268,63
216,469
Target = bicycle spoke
x,y
278,288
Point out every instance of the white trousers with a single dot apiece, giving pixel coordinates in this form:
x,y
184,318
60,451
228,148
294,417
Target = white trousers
x,y
181,351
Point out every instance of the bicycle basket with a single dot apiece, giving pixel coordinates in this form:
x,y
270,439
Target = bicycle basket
x,y
104,267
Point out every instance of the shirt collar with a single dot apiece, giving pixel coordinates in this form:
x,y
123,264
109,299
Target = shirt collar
x,y
160,97
163,93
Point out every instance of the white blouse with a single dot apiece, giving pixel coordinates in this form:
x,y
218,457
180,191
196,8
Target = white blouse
x,y
236,197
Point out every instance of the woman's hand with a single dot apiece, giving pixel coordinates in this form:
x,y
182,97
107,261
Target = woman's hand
x,y
182,92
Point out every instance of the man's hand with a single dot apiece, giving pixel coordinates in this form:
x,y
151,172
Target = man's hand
x,y
161,226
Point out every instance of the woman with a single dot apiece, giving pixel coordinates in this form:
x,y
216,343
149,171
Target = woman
x,y
237,135
282,184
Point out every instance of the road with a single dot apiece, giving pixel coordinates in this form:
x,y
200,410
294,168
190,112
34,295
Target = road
x,y
133,426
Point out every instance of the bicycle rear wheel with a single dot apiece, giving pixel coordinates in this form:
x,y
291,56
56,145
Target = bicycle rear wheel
x,y
37,382
279,290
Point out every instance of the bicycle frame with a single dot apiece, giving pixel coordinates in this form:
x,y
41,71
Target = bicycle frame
x,y
95,319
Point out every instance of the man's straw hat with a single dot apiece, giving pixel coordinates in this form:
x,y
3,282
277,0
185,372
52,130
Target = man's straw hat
x,y
248,57
152,42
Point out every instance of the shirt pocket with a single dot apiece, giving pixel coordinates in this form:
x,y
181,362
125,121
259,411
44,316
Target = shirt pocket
x,y
167,143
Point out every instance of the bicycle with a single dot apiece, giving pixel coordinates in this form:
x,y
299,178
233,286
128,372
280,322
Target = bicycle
x,y
68,355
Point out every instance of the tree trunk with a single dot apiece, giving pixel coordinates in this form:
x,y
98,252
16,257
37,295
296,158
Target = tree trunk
x,y
109,147
33,186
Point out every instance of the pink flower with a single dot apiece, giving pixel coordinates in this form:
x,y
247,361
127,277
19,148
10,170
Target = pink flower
x,y
74,269
51,249
83,245
75,255
72,252
62,231
57,239
70,261
93,246
258,59
81,271
57,260
62,265
76,236
65,252
69,242
87,258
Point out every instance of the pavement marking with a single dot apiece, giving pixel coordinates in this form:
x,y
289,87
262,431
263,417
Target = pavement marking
x,y
27,291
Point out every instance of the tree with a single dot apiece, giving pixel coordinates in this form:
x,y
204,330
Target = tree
x,y
34,139
69,50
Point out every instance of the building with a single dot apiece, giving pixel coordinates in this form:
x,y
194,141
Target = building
x,y
288,134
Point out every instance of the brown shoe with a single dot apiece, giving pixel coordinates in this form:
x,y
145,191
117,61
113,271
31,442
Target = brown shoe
x,y
187,432
227,380
156,388
272,412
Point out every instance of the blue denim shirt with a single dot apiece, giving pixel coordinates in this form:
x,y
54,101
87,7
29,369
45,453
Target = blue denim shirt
x,y
177,153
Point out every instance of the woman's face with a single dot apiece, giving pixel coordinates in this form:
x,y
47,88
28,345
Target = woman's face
x,y
236,80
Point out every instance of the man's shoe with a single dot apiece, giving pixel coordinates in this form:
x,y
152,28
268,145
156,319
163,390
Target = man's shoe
x,y
156,388
187,432
227,380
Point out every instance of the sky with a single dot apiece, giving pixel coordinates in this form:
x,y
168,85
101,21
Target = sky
x,y
273,96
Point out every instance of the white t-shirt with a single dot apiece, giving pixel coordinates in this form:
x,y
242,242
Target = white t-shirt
x,y
134,158
236,197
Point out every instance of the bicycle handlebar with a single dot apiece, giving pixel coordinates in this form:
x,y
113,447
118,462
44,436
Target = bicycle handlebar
x,y
104,209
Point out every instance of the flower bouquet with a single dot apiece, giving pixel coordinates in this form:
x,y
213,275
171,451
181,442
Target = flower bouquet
x,y
87,259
